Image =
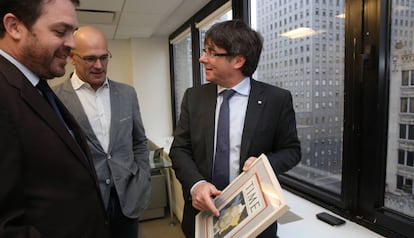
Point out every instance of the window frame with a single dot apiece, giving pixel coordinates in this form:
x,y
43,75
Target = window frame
x,y
365,126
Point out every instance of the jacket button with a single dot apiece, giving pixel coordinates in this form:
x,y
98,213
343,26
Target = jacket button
x,y
108,181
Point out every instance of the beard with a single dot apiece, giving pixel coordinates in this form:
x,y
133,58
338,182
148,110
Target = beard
x,y
42,59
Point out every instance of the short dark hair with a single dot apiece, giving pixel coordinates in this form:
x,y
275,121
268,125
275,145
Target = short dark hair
x,y
237,38
27,11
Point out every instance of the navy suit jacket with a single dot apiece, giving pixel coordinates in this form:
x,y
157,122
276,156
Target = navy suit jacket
x,y
269,127
47,179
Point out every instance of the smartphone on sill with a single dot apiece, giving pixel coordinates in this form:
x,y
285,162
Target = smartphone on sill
x,y
330,219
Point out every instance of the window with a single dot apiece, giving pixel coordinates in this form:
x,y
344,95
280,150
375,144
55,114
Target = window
x,y
400,191
185,47
325,175
356,126
182,63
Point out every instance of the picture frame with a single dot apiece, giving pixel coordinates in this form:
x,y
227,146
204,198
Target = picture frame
x,y
251,203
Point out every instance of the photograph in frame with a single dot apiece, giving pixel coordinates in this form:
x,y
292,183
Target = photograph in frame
x,y
247,206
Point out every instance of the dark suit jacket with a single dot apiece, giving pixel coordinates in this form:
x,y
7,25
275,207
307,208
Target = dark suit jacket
x,y
269,127
47,180
128,167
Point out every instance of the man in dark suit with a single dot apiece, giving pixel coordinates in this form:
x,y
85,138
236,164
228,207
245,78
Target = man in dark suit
x,y
262,120
109,114
48,185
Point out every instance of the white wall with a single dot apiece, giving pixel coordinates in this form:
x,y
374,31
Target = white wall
x,y
150,69
120,66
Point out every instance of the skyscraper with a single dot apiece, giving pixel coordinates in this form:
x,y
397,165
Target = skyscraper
x,y
303,52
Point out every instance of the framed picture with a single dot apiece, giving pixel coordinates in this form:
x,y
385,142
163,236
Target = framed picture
x,y
247,206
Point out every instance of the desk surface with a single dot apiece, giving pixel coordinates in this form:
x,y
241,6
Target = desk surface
x,y
310,226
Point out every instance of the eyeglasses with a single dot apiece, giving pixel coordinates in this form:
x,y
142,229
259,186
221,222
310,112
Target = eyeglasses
x,y
212,54
91,59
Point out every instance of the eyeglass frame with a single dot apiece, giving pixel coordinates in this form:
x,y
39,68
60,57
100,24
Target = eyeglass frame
x,y
211,54
91,59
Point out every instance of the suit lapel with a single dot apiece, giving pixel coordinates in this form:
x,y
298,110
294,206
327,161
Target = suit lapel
x,y
34,99
38,104
75,107
115,113
255,106
210,107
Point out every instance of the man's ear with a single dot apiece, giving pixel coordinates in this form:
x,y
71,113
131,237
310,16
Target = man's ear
x,y
238,61
13,26
72,58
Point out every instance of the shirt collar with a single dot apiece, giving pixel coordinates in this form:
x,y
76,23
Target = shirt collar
x,y
77,83
242,88
33,78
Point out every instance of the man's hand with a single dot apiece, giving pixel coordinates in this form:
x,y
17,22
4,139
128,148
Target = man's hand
x,y
248,163
203,195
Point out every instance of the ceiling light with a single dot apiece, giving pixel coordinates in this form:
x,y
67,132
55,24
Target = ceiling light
x,y
342,16
300,32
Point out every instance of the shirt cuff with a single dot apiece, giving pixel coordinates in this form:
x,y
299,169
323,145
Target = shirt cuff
x,y
197,183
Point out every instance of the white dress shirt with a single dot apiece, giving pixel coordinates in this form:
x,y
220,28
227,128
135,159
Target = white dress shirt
x,y
97,106
34,79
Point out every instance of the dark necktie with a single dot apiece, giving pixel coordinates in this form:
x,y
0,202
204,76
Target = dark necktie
x,y
221,161
48,94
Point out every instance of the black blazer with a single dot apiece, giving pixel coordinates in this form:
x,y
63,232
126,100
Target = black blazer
x,y
269,127
47,180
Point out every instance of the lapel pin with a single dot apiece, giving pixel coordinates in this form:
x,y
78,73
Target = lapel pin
x,y
259,102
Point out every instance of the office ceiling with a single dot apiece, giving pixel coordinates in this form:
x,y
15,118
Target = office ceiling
x,y
125,19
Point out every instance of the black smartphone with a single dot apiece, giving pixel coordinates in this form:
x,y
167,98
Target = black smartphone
x,y
330,219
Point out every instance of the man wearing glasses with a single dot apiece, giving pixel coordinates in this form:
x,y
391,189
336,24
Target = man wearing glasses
x,y
227,123
109,114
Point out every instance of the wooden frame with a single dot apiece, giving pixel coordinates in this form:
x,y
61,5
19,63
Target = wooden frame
x,y
251,203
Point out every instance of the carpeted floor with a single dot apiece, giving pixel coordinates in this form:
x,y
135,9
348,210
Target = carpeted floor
x,y
160,228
